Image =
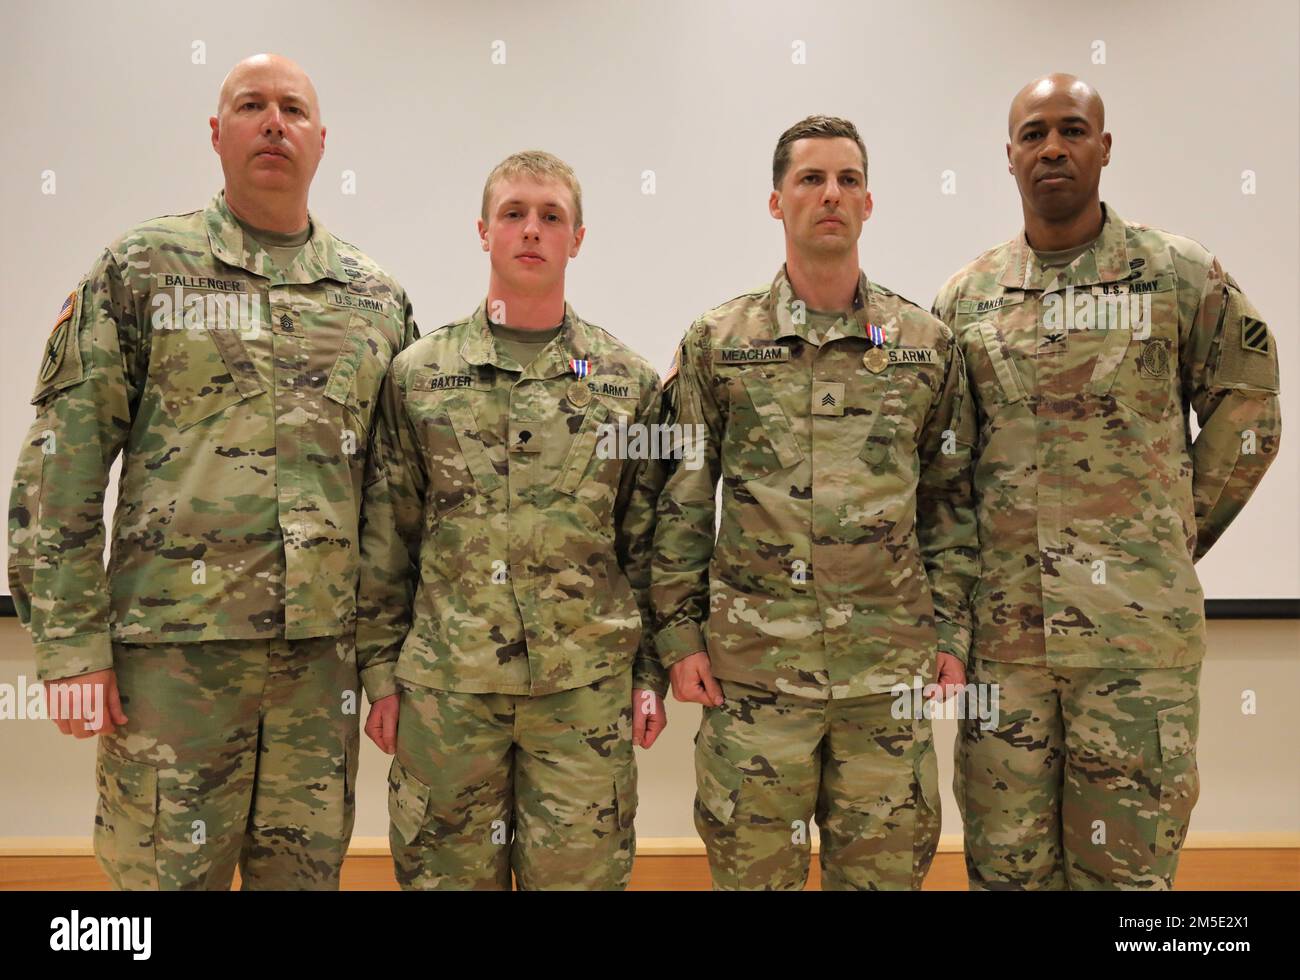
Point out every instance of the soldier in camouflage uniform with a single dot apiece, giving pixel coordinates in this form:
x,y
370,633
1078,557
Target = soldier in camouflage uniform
x,y
1087,340
506,569
837,421
236,366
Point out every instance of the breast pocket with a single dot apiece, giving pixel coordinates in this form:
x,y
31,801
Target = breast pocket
x,y
759,439
895,405
1137,362
200,372
358,371
458,464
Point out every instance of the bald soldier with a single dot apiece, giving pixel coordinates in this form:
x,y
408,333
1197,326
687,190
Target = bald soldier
x,y
835,416
233,356
1088,340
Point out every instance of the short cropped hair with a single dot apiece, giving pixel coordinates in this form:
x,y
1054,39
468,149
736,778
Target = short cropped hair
x,y
539,165
814,127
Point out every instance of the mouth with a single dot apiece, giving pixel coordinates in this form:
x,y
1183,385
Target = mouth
x,y
830,221
529,258
278,154
1053,180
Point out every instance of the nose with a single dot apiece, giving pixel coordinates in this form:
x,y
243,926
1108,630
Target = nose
x,y
831,191
1052,147
273,124
533,227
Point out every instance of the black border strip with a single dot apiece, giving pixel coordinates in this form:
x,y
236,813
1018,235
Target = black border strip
x,y
1214,608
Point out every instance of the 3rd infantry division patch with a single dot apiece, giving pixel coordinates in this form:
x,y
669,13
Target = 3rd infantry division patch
x,y
1254,336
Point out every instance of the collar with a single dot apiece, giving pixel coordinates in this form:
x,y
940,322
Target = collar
x,y
1106,261
780,304
317,259
573,342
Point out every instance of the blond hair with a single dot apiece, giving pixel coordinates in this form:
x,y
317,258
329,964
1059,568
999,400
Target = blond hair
x,y
539,165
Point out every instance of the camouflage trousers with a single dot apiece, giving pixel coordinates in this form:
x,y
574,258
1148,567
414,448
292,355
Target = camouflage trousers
x,y
239,752
1087,781
485,783
765,763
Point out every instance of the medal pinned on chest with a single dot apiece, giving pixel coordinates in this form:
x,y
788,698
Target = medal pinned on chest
x,y
578,393
875,359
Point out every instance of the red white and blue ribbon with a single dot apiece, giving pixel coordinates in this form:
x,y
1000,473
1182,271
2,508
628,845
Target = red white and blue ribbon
x,y
876,334
580,367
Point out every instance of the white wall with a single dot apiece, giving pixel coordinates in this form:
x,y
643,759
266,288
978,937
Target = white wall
x,y
107,97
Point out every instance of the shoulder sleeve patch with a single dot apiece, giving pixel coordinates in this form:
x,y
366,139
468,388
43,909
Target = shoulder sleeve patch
x,y
61,364
1247,351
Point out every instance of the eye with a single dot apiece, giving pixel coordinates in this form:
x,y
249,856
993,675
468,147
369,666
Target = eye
x,y
1074,130
849,179
294,108
248,105
1032,134
552,218
810,178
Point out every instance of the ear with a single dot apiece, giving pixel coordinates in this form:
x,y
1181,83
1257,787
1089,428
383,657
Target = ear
x,y
322,141
867,205
1105,149
482,234
578,236
774,206
216,133
1011,169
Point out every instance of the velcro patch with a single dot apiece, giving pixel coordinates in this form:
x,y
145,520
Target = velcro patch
x,y
1254,335
981,306
913,355
750,355
614,387
61,365
441,382
828,398
336,297
1247,357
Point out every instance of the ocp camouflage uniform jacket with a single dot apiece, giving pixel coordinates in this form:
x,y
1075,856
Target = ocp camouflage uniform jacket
x,y
241,400
506,540
847,544
1093,499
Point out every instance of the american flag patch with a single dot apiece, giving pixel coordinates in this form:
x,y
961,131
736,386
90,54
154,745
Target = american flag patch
x,y
876,334
580,368
65,312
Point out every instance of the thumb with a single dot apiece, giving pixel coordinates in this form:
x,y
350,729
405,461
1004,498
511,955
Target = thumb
x,y
638,727
115,704
389,730
711,687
